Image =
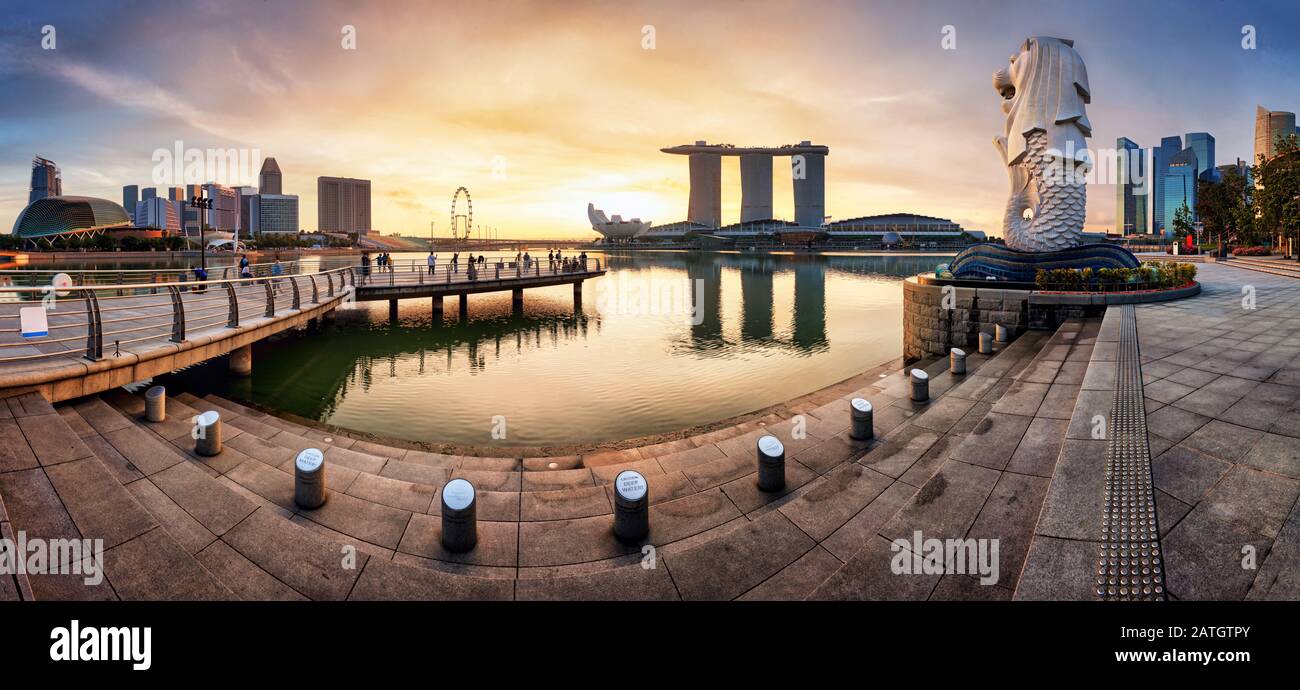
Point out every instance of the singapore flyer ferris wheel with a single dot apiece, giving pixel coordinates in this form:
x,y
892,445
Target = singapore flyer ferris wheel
x,y
462,224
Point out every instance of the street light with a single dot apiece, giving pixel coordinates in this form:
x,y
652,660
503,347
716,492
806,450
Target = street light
x,y
202,204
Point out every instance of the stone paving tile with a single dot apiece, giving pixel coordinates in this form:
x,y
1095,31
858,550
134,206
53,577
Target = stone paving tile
x,y
1049,566
1252,498
51,440
827,504
343,456
1206,402
974,387
121,468
626,583
372,522
1022,399
830,453
967,588
1223,440
394,493
266,482
1009,515
263,450
1250,412
487,464
187,532
423,474
33,506
15,454
564,504
943,414
1059,401
242,576
388,581
1039,447
100,416
328,535
551,479
216,507
720,471
730,565
1203,557
152,567
498,542
1042,370
868,576
1087,406
1166,391
946,506
1173,423
1072,508
899,451
1185,473
98,505
746,495
421,457
797,580
1071,373
993,441
1287,424
75,422
684,459
925,467
1279,577
1169,511
1276,454
490,480
146,452
861,528
605,474
289,553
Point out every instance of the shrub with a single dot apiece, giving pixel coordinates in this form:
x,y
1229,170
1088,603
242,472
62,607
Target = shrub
x,y
1252,251
1151,275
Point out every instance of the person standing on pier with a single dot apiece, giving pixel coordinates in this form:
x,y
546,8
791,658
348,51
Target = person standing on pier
x,y
550,260
433,258
277,270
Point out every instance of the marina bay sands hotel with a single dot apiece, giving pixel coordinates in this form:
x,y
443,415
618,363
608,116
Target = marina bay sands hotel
x,y
808,171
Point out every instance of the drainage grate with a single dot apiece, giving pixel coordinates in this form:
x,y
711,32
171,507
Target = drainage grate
x,y
1129,567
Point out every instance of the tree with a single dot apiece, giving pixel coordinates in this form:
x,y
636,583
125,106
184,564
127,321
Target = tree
x,y
1277,190
1224,208
1182,223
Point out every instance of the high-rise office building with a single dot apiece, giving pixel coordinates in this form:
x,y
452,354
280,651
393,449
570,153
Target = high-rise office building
x,y
190,218
1202,143
130,195
269,180
250,209
46,180
1160,157
148,193
157,212
278,213
1269,125
343,205
1131,188
224,214
1179,187
176,193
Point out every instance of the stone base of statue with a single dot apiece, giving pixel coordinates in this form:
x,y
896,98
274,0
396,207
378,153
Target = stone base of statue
x,y
983,261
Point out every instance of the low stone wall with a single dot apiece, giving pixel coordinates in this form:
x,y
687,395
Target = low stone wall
x,y
935,319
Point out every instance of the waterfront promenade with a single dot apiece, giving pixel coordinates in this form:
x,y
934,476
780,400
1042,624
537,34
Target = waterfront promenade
x,y
1007,451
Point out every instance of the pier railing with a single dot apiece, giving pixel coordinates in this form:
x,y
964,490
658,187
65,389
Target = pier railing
x,y
416,272
96,321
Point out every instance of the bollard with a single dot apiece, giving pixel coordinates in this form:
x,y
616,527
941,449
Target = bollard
x,y
920,386
207,433
309,478
957,361
155,404
631,507
771,464
986,343
1001,333
459,516
863,420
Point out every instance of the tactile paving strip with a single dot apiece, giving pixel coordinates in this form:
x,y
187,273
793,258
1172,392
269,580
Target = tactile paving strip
x,y
1129,567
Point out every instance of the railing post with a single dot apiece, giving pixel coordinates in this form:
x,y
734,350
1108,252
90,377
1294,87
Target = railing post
x,y
233,320
94,328
270,299
120,280
315,294
178,315
297,304
330,277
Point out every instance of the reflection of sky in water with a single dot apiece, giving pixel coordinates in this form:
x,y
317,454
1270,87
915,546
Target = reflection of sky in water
x,y
768,329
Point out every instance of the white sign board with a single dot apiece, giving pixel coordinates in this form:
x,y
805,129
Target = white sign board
x,y
33,322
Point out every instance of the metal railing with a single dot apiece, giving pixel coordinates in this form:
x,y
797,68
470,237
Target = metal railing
x,y
411,272
82,320
126,276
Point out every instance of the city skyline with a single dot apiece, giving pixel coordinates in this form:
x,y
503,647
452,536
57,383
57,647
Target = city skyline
x,y
536,140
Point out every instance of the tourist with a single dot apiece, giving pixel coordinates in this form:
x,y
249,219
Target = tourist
x,y
528,261
431,260
455,262
200,274
277,270
582,259
550,260
245,271
518,257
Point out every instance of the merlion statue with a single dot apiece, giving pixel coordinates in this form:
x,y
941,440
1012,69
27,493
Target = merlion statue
x,y
1044,147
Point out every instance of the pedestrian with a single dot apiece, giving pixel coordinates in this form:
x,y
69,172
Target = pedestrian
x,y
431,260
550,260
200,274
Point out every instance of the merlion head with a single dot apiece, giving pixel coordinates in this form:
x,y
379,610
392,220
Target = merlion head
x,y
1045,87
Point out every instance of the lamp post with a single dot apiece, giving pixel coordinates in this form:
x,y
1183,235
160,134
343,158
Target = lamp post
x,y
202,204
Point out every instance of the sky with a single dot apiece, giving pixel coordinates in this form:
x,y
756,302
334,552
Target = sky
x,y
540,106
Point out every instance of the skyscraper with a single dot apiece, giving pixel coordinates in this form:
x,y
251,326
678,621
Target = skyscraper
x,y
130,195
148,193
156,212
1179,187
343,205
1160,157
1269,125
278,213
1131,189
269,180
46,180
224,214
1203,144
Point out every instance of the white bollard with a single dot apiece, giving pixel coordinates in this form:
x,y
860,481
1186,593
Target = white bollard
x,y
155,404
309,478
1001,333
920,386
863,416
986,343
957,361
459,516
207,433
631,507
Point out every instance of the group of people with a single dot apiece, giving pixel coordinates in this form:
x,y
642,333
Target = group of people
x,y
566,264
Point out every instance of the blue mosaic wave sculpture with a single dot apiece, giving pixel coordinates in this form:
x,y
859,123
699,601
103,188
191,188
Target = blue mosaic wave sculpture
x,y
982,261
